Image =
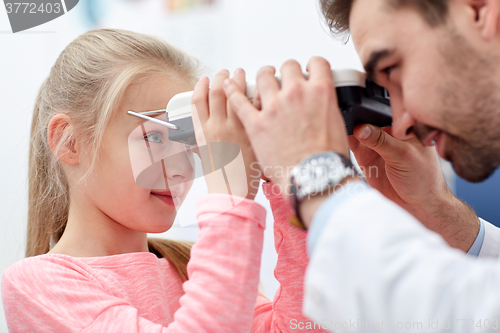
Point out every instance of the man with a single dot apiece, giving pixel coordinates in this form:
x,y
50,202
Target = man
x,y
373,265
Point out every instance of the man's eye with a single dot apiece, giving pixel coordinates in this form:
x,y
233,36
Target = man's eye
x,y
154,137
387,71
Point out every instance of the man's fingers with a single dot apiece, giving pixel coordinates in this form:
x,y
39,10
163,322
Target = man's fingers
x,y
365,156
319,69
353,143
291,72
239,79
267,83
256,101
200,98
373,137
241,105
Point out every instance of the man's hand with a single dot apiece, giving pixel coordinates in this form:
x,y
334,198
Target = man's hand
x,y
298,119
410,175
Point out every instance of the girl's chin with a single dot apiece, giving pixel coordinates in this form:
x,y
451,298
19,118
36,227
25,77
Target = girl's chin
x,y
155,222
159,227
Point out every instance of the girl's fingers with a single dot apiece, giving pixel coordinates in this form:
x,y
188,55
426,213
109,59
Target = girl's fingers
x,y
198,126
239,79
217,97
242,107
200,99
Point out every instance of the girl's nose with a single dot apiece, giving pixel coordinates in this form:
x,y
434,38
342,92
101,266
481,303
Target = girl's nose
x,y
179,167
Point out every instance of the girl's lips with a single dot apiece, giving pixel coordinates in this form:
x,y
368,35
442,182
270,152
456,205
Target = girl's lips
x,y
168,199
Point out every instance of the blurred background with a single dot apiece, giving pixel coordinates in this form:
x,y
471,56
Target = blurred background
x,y
221,33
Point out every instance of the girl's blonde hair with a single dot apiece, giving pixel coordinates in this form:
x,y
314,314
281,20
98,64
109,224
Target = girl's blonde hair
x,y
87,83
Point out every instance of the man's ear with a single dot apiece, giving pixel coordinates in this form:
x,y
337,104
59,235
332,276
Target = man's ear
x,y
62,139
488,17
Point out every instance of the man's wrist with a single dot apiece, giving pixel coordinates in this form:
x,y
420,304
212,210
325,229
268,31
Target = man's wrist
x,y
454,220
310,205
316,175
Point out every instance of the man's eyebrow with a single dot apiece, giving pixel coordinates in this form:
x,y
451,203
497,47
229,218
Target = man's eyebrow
x,y
375,57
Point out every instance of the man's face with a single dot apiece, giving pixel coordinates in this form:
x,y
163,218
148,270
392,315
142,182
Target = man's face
x,y
443,82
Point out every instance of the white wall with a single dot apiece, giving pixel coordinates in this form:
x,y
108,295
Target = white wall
x,y
234,33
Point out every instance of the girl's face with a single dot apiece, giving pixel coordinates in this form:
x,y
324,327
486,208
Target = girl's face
x,y
126,186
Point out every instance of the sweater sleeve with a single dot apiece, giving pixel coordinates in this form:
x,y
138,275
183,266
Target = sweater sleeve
x,y
284,313
52,296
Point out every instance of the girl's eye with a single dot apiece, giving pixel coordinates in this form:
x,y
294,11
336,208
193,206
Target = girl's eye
x,y
154,137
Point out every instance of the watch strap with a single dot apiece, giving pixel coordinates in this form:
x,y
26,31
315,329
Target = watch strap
x,y
296,220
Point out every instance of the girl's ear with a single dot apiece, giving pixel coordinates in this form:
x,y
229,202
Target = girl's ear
x,y
488,17
62,139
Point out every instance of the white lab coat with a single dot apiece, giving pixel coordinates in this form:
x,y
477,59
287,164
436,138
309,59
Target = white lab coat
x,y
376,268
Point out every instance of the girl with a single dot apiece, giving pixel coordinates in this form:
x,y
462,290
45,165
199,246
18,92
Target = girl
x,y
90,266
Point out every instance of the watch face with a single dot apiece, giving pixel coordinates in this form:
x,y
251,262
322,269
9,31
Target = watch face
x,y
319,174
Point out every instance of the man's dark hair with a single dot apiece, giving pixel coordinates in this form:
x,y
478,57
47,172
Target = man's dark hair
x,y
336,12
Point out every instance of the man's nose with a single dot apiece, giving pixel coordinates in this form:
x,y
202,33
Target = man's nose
x,y
402,122
403,125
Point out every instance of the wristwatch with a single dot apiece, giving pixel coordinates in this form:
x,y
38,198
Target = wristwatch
x,y
317,174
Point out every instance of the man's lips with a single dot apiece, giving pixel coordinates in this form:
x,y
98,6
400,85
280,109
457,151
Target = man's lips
x,y
436,139
431,139
440,145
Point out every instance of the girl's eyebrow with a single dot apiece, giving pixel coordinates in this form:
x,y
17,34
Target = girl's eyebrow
x,y
154,120
148,113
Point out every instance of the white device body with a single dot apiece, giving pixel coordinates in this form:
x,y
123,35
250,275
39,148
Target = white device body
x,y
177,106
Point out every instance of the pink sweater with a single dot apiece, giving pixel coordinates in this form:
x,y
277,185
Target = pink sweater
x,y
137,292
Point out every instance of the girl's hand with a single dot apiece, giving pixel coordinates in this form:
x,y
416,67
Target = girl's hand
x,y
214,121
257,103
